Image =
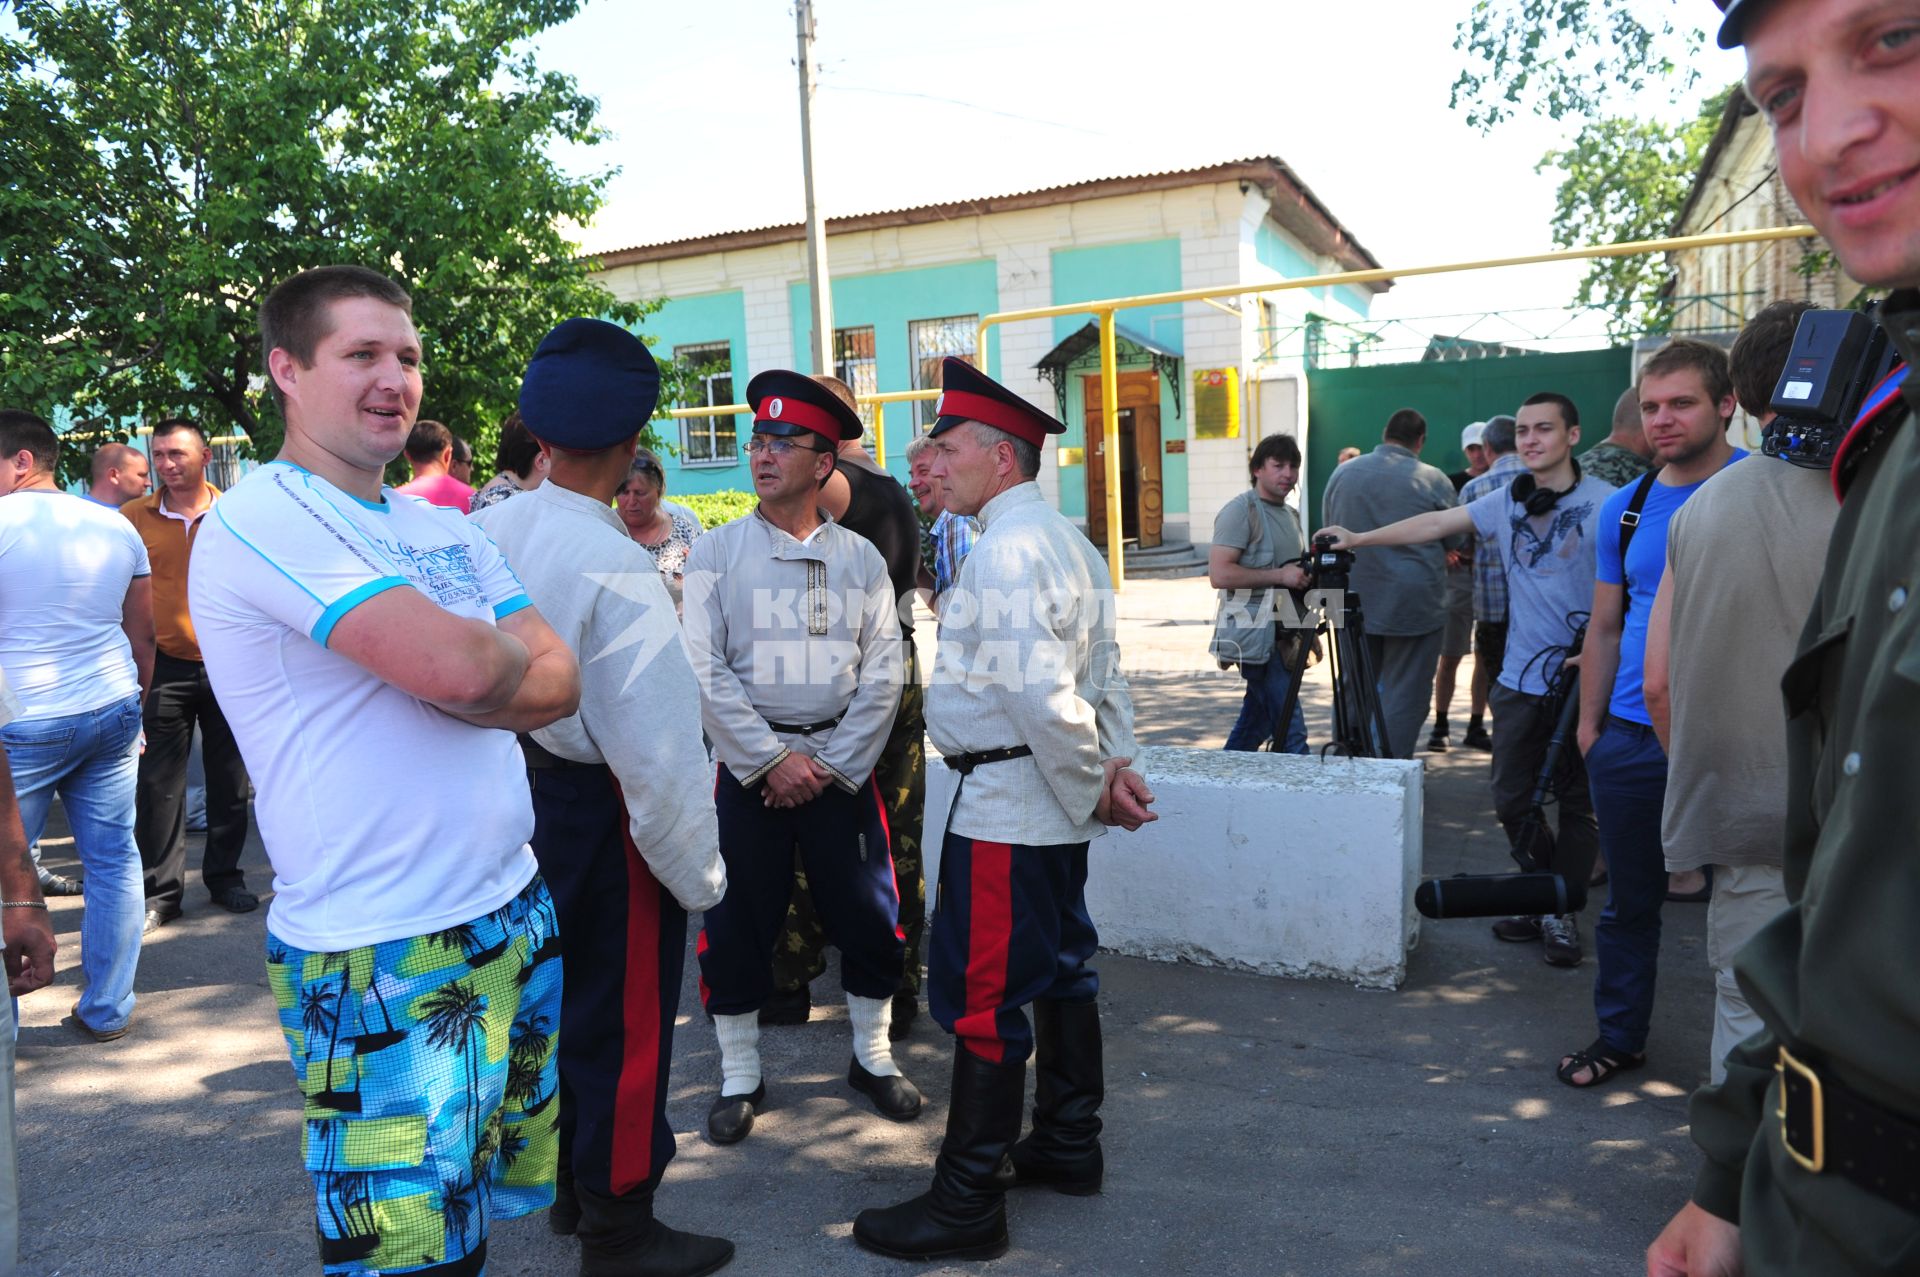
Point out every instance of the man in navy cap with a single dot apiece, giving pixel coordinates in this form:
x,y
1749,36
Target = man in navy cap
x,y
623,832
1809,1141
1032,710
790,621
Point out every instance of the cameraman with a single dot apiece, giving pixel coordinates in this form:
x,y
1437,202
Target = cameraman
x,y
1256,538
1839,81
1542,526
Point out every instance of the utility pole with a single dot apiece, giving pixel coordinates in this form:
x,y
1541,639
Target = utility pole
x,y
817,281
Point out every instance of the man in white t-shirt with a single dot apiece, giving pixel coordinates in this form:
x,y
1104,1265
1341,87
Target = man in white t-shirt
x,y
374,655
76,644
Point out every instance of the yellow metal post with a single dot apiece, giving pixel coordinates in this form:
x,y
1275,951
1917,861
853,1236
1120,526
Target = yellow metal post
x,y
1110,439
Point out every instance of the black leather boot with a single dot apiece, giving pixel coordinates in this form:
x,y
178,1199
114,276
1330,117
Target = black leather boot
x,y
619,1237
1063,1153
563,1217
964,1214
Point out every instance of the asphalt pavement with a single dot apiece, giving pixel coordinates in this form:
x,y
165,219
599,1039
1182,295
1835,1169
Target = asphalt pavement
x,y
1253,1125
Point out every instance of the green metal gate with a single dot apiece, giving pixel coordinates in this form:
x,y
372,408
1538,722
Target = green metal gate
x,y
1350,406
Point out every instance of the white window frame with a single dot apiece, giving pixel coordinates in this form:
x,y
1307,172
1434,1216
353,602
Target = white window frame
x,y
928,342
862,374
702,352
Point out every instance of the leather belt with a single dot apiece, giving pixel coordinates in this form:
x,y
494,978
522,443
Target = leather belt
x,y
542,759
965,763
1825,1127
807,729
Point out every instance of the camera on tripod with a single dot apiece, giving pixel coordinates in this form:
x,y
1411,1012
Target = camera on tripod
x,y
1837,358
1326,567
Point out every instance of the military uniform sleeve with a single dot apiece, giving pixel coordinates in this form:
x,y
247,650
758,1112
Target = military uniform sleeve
x,y
1113,710
862,732
741,738
1724,1119
639,702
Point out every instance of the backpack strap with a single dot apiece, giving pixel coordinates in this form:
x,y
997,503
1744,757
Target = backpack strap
x,y
1630,517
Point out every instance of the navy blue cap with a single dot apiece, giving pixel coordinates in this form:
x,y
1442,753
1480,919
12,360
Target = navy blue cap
x,y
792,403
590,385
967,394
1733,25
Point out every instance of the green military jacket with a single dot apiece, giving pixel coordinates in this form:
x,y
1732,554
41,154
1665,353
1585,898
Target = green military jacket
x,y
1834,976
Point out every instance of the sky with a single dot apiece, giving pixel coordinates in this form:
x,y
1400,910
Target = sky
x,y
920,103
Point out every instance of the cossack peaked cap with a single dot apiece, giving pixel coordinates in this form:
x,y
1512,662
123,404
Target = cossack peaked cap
x,y
791,403
967,394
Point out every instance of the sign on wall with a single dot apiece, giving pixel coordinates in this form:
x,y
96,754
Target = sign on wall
x,y
1216,403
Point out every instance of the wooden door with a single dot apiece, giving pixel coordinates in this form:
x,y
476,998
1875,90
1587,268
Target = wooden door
x,y
1142,499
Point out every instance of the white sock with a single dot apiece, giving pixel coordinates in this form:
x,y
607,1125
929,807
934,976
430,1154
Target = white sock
x,y
872,1017
739,1052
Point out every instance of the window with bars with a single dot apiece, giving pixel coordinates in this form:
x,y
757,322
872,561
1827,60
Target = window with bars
x,y
932,340
854,364
708,441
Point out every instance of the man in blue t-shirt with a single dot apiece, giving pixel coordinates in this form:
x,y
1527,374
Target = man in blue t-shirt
x,y
1541,525
1686,400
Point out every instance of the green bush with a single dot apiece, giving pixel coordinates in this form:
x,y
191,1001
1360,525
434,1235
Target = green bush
x,y
716,508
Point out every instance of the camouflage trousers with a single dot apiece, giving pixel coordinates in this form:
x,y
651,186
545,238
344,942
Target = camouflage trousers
x,y
799,954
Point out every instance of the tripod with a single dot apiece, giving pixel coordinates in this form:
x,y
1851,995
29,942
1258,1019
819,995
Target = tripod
x,y
1359,723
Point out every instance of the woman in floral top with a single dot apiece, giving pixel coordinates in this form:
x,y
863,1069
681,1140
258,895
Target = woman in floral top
x,y
666,533
518,465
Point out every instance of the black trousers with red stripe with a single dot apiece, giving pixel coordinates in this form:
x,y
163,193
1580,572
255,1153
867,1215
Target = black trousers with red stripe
x,y
843,845
625,939
1010,926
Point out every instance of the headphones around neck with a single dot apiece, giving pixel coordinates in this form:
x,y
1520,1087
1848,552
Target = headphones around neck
x,y
1539,500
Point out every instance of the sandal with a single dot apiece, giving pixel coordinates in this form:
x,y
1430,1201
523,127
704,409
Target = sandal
x,y
1600,1062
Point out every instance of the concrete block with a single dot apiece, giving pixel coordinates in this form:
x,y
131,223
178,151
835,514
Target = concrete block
x,y
1259,862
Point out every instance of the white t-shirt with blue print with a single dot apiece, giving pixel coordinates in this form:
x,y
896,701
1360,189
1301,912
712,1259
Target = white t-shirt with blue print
x,y
384,817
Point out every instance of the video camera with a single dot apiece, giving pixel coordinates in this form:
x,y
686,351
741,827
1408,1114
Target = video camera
x,y
1837,358
1326,567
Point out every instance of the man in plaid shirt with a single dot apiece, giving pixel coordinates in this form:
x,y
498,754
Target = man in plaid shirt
x,y
1489,577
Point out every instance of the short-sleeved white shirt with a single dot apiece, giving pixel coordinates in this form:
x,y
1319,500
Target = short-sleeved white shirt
x,y
384,817
65,565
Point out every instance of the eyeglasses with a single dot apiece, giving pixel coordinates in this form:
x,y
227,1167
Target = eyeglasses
x,y
778,445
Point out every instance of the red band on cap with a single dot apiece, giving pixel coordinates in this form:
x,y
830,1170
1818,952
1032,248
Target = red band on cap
x,y
992,412
798,412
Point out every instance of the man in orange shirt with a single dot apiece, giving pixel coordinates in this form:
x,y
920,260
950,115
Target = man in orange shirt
x,y
168,521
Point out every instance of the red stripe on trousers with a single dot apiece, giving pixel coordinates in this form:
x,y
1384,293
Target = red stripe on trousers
x,y
900,932
639,1082
989,936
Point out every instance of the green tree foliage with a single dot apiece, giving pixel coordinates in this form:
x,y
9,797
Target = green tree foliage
x,y
169,161
1622,180
1573,58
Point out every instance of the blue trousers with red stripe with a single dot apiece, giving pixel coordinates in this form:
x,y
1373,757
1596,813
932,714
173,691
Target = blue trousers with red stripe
x,y
626,937
1010,926
843,844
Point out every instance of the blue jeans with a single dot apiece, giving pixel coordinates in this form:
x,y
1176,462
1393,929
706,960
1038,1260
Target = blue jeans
x,y
1627,774
90,761
1259,719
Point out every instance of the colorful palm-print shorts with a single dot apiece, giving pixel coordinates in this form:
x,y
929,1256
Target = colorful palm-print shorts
x,y
431,1085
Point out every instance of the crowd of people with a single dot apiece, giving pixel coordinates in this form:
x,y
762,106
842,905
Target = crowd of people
x,y
554,668
555,665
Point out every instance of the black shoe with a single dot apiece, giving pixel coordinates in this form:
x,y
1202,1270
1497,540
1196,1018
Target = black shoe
x,y
1517,930
156,919
1063,1152
892,1094
53,884
964,1214
1437,743
619,1237
792,1007
1477,738
563,1217
731,1116
236,900
906,1009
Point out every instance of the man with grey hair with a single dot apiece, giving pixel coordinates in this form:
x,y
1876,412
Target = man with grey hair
x,y
1624,455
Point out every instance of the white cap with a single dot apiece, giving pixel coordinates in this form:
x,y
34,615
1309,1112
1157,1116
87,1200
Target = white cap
x,y
1470,437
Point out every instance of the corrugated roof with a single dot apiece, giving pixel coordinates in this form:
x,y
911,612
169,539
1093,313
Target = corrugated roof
x,y
1294,206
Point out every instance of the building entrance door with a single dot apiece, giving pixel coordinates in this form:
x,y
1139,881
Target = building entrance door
x,y
1142,498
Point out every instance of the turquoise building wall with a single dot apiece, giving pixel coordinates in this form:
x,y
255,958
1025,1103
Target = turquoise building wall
x,y
687,321
888,301
1122,270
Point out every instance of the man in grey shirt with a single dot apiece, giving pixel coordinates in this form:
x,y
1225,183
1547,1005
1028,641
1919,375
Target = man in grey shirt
x,y
1403,588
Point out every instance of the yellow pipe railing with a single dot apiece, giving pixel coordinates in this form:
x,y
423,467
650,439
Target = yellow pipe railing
x,y
1104,310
